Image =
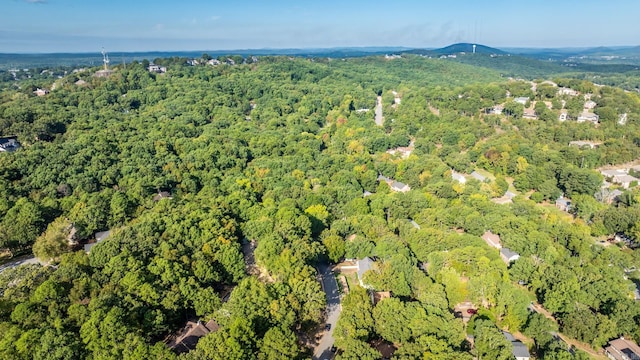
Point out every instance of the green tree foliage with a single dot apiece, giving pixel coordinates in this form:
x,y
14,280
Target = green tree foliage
x,y
54,241
490,342
275,154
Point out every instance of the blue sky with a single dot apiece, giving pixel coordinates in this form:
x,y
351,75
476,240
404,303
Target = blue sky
x,y
144,25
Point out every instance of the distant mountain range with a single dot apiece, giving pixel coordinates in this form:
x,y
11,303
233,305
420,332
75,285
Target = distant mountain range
x,y
546,60
466,48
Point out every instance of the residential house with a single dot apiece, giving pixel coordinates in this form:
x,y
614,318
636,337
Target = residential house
x,y
520,350
626,181
98,238
529,114
590,105
188,338
563,204
492,239
622,349
80,82
403,151
41,92
496,110
612,196
394,185
521,100
507,255
567,91
162,195
157,69
9,144
563,115
363,266
613,172
588,116
620,177
581,143
399,187
213,62
458,177
476,175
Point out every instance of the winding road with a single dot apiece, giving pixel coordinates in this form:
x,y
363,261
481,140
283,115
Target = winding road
x,y
330,287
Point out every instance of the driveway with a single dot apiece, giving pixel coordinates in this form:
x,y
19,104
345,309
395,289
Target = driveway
x,y
22,260
379,118
330,287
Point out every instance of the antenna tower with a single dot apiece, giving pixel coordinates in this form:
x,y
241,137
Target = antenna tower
x,y
105,59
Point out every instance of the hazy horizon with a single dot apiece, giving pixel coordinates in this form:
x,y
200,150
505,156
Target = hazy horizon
x,y
64,26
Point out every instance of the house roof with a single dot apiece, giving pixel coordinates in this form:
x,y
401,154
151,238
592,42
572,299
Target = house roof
x,y
162,195
508,253
189,336
9,143
364,265
100,236
611,173
520,350
624,178
508,336
623,349
491,239
396,185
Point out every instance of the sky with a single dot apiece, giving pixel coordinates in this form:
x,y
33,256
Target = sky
x,y
45,26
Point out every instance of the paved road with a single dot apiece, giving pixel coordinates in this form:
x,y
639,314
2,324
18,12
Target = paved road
x,y
330,286
22,260
379,118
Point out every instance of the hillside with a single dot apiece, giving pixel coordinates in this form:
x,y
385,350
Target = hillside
x,y
229,192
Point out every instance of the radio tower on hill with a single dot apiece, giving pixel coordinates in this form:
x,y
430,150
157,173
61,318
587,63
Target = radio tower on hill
x,y
106,71
105,59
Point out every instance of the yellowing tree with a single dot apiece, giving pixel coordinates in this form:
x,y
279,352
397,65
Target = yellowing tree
x,y
54,241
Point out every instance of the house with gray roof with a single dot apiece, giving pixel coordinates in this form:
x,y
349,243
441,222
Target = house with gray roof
x,y
363,266
521,100
507,255
588,116
394,185
399,187
563,204
9,144
520,350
